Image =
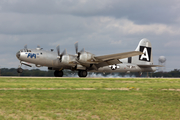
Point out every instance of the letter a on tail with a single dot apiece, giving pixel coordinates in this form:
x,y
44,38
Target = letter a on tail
x,y
146,56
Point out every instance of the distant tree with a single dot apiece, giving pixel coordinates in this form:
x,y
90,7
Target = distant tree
x,y
37,72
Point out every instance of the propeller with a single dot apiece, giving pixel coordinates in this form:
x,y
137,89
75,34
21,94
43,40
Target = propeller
x,y
25,48
58,50
83,50
60,55
76,48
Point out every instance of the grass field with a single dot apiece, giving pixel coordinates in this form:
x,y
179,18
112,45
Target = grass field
x,y
89,98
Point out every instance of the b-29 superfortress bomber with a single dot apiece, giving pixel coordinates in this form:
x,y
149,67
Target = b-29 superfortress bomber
x,y
140,60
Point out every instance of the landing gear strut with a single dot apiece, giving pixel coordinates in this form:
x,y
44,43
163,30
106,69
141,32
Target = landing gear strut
x,y
58,73
82,73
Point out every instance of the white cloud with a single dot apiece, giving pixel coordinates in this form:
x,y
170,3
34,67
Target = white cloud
x,y
173,44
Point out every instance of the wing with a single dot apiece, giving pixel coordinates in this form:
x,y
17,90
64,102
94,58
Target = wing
x,y
118,56
105,60
114,58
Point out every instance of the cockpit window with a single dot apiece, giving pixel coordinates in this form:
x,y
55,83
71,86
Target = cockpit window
x,y
28,50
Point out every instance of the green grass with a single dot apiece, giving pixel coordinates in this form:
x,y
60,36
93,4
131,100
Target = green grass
x,y
149,102
89,83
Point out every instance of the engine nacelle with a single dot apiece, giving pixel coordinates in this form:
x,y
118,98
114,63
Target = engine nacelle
x,y
67,59
85,56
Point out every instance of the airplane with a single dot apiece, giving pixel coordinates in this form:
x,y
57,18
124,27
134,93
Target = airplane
x,y
139,60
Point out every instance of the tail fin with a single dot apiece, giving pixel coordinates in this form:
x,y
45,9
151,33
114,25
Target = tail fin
x,y
146,58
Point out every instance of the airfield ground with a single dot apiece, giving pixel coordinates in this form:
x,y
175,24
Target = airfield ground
x,y
89,98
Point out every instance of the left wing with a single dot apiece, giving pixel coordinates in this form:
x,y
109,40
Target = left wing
x,y
117,56
105,60
111,59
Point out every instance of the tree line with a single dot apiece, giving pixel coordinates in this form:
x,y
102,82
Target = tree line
x,y
68,73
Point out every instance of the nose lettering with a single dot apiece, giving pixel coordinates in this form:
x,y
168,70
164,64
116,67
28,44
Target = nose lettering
x,y
31,55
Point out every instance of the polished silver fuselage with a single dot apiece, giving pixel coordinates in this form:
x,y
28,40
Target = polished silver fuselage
x,y
50,60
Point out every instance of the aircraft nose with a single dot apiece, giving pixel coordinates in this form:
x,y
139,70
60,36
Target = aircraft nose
x,y
18,54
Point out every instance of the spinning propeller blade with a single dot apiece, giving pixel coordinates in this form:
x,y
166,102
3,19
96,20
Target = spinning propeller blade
x,y
64,52
83,50
25,48
76,47
60,54
58,50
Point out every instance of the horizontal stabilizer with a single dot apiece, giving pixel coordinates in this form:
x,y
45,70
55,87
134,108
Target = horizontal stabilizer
x,y
150,66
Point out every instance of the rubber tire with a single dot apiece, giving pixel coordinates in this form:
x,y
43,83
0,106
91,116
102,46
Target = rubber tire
x,y
82,73
58,73
19,70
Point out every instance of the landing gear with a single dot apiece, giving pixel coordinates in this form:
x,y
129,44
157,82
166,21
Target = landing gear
x,y
19,70
82,73
58,73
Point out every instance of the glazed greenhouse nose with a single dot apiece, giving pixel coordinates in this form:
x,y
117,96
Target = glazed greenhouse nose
x,y
18,54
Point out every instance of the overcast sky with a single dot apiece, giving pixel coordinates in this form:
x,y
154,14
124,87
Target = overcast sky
x,y
100,26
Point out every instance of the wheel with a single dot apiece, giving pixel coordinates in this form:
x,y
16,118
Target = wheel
x,y
55,73
58,73
82,73
19,70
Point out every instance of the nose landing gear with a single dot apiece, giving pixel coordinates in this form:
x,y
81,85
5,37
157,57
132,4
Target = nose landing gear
x,y
19,70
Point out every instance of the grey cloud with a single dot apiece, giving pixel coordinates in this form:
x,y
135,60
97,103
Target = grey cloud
x,y
13,23
139,11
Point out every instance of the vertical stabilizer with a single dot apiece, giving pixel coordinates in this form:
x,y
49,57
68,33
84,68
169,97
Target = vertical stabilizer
x,y
146,58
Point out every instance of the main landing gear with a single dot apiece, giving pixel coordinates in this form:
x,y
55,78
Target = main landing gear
x,y
82,73
58,73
